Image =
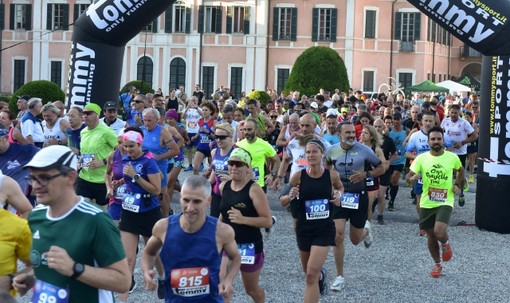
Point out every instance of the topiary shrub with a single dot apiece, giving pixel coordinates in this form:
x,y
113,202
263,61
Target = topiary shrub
x,y
260,95
46,90
318,67
144,89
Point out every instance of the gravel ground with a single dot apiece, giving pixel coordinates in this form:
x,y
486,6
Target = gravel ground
x,y
394,269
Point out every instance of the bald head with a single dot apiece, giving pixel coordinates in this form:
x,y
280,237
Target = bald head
x,y
307,123
379,125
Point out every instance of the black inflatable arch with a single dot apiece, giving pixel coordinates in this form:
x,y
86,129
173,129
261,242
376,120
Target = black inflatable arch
x,y
98,42
484,25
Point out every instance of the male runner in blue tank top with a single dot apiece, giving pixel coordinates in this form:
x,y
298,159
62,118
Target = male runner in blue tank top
x,y
191,244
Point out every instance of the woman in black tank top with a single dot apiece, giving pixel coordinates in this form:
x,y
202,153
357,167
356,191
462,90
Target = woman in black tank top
x,y
245,207
316,189
371,138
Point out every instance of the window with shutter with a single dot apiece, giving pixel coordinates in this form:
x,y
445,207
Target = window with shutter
x,y
236,19
56,72
368,80
144,70
236,80
18,74
370,22
57,16
322,24
209,19
208,80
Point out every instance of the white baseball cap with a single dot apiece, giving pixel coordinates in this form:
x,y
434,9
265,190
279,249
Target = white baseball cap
x,y
54,156
332,111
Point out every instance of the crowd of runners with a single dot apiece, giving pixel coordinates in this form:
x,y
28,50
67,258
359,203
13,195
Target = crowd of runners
x,y
334,158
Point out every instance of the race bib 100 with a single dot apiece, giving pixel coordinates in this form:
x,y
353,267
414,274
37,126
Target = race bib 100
x,y
317,209
190,282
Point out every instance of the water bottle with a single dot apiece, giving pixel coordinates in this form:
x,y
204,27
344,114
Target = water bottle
x,y
461,199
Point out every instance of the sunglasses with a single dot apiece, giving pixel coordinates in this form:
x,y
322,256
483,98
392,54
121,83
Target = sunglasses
x,y
138,101
88,113
474,107
274,117
221,138
236,163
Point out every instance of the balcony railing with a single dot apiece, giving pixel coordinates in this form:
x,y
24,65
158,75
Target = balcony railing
x,y
468,52
407,46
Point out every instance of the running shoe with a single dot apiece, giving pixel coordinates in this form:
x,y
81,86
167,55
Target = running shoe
x,y
133,284
189,168
368,237
447,252
422,233
380,219
161,289
323,284
462,200
436,271
391,206
338,284
267,231
471,179
387,193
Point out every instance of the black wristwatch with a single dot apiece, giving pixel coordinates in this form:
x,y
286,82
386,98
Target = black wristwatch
x,y
78,269
135,178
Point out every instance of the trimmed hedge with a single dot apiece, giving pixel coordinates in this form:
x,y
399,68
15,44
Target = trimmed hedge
x,y
144,89
46,90
318,67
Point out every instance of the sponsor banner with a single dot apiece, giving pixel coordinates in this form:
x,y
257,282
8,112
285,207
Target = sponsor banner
x,y
493,182
482,24
99,39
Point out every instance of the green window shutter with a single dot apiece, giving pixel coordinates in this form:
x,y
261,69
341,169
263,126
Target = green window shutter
x,y
28,17
65,26
315,24
188,20
155,25
201,10
417,25
370,24
246,30
11,20
276,17
168,19
2,15
334,21
398,26
49,17
293,31
230,12
218,19
76,7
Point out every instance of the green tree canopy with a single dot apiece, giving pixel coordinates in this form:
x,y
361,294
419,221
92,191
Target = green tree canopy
x,y
144,87
46,90
318,67
260,95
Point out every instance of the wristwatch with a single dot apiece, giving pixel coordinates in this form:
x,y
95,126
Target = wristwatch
x,y
135,178
78,269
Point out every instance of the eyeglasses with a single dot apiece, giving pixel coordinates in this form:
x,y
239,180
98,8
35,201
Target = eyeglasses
x,y
88,113
248,129
43,180
236,163
221,137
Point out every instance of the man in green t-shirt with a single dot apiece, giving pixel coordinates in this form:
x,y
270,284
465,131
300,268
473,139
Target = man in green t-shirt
x,y
435,168
260,151
76,255
97,142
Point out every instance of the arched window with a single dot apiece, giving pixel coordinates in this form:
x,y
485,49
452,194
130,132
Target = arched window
x,y
177,73
144,70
